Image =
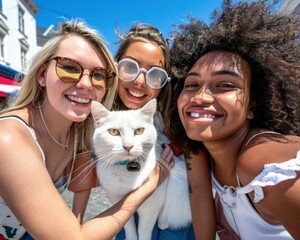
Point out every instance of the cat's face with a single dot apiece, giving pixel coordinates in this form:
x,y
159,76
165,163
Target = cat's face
x,y
123,135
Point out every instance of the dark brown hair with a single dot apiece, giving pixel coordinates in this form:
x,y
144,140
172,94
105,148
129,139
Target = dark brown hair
x,y
152,34
267,40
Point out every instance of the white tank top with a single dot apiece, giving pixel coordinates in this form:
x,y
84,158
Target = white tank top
x,y
10,227
238,210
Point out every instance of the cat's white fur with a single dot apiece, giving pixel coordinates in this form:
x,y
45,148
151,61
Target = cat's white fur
x,y
170,201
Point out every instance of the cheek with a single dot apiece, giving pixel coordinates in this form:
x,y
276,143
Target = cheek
x,y
120,86
235,105
121,90
182,100
239,101
153,93
100,95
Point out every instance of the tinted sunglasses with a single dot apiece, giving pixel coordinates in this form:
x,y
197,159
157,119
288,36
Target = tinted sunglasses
x,y
71,71
129,69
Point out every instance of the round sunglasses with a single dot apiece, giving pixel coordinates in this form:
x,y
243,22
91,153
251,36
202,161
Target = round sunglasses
x,y
71,71
129,69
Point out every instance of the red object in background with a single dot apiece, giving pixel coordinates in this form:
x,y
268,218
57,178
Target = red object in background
x,y
176,150
8,87
2,237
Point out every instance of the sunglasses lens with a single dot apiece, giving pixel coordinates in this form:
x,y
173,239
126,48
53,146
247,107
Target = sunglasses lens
x,y
68,70
156,78
128,70
99,78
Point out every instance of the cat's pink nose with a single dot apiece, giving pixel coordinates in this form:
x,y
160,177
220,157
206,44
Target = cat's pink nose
x,y
128,148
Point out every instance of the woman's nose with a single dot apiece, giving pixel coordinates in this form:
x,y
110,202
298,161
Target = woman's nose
x,y
140,80
85,80
203,96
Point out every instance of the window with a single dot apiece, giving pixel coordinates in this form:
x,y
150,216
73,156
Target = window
x,y
23,59
21,20
1,46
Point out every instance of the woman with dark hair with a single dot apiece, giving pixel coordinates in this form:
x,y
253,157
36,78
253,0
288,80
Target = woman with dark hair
x,y
44,130
143,64
238,95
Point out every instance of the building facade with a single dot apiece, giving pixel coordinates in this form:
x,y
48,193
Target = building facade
x,y
18,41
18,37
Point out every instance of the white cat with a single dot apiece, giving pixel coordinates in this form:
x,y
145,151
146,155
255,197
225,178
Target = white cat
x,y
127,146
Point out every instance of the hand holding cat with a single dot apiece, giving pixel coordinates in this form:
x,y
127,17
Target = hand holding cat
x,y
162,169
165,163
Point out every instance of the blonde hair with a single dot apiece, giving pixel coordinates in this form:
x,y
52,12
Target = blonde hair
x,y
31,94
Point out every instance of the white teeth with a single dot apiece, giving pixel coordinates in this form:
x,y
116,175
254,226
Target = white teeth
x,y
197,115
208,116
79,100
135,94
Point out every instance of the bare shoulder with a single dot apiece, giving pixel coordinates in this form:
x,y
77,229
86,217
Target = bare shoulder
x,y
16,141
265,149
12,131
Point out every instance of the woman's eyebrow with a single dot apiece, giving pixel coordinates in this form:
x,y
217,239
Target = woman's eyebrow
x,y
192,74
216,73
227,72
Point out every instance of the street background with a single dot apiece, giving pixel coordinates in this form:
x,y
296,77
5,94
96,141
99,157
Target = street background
x,y
98,202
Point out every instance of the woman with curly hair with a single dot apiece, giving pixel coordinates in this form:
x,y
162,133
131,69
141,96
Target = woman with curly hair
x,y
238,95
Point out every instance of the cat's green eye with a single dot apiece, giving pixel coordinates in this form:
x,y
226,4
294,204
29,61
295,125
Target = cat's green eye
x,y
139,131
114,132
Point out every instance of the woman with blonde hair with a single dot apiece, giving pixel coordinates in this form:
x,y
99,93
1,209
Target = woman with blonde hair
x,y
45,128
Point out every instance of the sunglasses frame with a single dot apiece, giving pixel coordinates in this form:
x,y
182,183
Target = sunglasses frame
x,y
168,79
110,74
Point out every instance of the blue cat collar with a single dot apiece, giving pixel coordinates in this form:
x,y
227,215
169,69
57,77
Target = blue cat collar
x,y
121,163
132,165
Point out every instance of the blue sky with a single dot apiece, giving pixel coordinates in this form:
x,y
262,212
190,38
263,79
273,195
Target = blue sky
x,y
106,15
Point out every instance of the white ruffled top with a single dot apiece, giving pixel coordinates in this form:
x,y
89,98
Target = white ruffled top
x,y
239,211
271,175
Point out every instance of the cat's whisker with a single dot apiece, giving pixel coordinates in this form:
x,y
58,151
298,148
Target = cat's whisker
x,y
107,160
88,167
80,169
86,170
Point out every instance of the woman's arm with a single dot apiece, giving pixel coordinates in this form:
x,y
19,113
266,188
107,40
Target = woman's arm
x,y
83,179
201,196
28,190
274,209
80,201
285,208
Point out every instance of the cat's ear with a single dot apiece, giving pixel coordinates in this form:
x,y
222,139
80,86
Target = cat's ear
x,y
149,108
98,111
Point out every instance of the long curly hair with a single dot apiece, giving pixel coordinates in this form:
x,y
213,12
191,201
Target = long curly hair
x,y
267,40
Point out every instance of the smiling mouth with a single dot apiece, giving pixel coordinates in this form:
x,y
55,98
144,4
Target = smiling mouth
x,y
197,115
79,100
135,94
